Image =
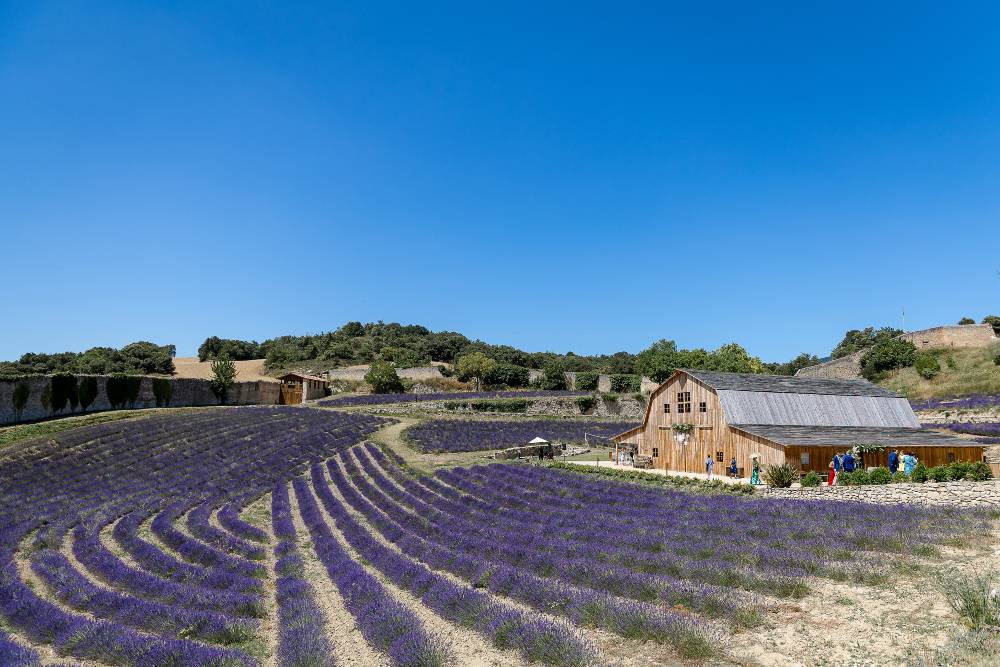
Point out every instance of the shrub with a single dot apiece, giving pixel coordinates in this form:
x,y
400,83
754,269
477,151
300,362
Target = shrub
x,y
22,390
490,405
861,477
609,398
927,366
938,473
919,474
980,471
973,597
993,321
887,355
553,376
586,403
122,390
958,470
507,375
996,359
624,384
899,476
163,391
952,364
780,476
64,390
811,478
879,476
87,392
640,397
382,378
966,320
587,381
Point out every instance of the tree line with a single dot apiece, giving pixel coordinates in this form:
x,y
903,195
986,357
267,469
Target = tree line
x,y
142,357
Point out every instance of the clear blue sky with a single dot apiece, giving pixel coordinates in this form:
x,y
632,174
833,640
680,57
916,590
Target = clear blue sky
x,y
566,176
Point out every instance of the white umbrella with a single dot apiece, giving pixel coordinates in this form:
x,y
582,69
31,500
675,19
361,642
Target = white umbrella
x,y
539,441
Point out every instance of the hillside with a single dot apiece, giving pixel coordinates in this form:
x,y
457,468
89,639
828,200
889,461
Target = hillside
x,y
964,371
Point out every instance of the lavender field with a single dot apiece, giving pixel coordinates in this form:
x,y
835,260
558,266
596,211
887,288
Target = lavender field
x,y
971,402
384,399
986,432
270,536
453,435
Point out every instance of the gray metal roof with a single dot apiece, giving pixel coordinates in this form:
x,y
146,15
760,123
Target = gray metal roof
x,y
846,436
786,384
762,407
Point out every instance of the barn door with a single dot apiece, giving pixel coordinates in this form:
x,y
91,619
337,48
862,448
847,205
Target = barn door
x,y
291,394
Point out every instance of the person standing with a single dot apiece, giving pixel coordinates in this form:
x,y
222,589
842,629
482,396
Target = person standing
x,y
831,477
733,470
838,465
894,461
755,475
709,464
848,462
909,463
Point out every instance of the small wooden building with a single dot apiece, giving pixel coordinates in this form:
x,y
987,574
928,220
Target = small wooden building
x,y
298,388
799,420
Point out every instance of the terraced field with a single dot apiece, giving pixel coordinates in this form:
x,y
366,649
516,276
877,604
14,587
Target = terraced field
x,y
277,536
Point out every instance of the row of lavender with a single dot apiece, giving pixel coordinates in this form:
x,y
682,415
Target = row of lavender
x,y
970,402
382,399
662,551
987,433
198,603
452,435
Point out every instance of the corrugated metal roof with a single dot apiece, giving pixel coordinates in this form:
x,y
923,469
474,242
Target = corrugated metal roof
x,y
762,407
849,436
785,384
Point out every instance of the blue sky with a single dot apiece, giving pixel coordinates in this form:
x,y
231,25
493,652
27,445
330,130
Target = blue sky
x,y
556,176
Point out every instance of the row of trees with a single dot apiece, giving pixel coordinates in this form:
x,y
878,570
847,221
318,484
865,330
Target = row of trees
x,y
406,346
141,357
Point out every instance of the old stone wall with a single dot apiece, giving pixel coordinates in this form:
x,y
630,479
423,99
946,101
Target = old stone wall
x,y
186,392
604,383
959,335
626,407
960,494
845,368
358,374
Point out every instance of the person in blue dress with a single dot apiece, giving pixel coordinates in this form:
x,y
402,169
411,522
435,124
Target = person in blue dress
x,y
894,461
909,463
732,468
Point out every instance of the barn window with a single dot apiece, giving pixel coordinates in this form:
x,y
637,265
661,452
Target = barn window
x,y
804,458
656,452
703,407
951,457
666,408
683,401
720,457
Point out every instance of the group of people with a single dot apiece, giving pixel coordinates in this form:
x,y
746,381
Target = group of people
x,y
847,462
733,469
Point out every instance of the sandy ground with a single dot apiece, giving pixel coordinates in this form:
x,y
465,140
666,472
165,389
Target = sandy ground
x,y
247,371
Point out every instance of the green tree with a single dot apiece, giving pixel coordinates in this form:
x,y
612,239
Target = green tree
x,y
476,366
966,320
856,340
223,377
887,355
382,378
554,375
401,357
993,321
146,357
508,375
733,358
658,361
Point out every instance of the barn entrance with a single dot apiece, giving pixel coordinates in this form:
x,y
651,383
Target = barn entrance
x,y
291,393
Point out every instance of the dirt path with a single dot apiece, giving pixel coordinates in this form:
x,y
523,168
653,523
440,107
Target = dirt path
x,y
392,436
349,645
468,648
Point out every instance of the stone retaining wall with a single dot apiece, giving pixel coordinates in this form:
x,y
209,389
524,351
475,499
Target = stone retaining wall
x,y
626,407
186,392
963,494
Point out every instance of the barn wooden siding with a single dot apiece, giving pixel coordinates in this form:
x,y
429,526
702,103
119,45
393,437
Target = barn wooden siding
x,y
819,457
711,434
756,407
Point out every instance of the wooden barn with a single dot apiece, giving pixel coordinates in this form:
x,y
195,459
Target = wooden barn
x,y
799,420
298,387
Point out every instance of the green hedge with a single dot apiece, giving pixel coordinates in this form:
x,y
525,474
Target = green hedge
x,y
586,403
123,390
587,381
490,405
959,470
163,391
652,479
625,384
